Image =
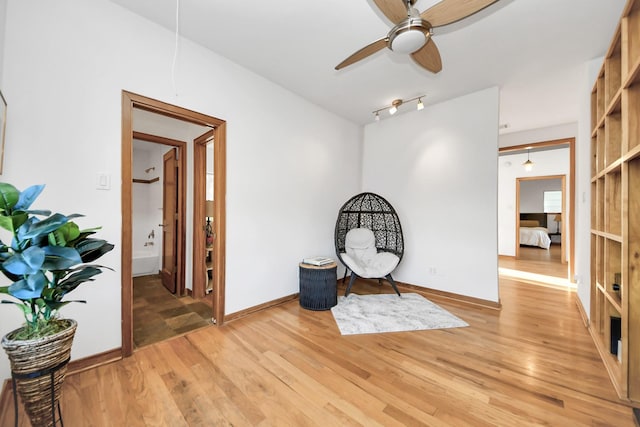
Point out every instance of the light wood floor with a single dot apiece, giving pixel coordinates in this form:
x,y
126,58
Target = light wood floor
x,y
536,265
532,253
532,363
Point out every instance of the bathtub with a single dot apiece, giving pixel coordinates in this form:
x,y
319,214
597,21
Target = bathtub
x,y
145,262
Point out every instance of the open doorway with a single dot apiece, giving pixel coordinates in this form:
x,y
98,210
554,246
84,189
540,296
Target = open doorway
x,y
161,307
540,204
179,231
159,207
555,159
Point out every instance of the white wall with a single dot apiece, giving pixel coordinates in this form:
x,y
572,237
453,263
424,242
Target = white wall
x,y
3,18
290,164
147,202
532,193
546,163
437,167
583,185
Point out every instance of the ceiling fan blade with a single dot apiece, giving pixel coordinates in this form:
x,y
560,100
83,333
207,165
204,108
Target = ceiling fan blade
x,y
428,57
394,10
363,53
450,11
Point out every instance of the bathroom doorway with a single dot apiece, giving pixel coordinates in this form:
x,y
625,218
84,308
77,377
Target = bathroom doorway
x,y
161,308
174,129
158,246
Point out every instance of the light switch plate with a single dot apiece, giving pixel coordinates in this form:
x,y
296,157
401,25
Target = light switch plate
x,y
103,181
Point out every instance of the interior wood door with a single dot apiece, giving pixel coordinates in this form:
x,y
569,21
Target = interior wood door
x,y
170,221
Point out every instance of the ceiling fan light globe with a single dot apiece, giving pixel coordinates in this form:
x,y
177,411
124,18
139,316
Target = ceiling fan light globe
x,y
408,41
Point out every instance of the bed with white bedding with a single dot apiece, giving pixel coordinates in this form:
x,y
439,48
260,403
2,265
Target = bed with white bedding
x,y
535,236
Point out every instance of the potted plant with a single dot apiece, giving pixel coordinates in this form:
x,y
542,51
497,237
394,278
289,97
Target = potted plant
x,y
45,256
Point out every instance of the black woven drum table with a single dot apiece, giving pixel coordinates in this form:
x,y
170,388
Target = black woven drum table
x,y
318,286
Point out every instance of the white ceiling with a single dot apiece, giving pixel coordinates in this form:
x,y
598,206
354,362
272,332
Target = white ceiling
x,y
534,50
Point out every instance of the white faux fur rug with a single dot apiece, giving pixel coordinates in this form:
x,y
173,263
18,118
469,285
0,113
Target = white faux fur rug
x,y
368,314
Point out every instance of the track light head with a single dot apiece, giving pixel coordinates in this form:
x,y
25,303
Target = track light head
x,y
394,106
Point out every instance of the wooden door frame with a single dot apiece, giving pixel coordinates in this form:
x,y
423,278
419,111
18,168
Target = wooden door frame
x,y
570,227
130,101
199,213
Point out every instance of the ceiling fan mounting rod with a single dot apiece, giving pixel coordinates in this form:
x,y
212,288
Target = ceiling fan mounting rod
x,y
411,12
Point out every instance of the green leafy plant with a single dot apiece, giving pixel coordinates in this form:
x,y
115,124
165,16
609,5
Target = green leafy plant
x,y
48,257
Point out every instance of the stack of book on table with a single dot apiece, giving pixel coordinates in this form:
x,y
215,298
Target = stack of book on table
x,y
317,260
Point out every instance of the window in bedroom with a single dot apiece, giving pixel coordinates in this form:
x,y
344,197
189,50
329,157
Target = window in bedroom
x,y
552,201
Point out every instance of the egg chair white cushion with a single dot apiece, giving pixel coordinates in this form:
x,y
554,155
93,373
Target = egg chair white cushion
x,y
363,258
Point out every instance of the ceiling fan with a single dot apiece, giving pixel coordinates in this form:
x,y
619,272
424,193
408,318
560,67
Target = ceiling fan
x,y
412,33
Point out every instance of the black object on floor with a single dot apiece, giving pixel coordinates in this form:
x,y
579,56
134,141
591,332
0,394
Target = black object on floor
x,y
318,286
616,333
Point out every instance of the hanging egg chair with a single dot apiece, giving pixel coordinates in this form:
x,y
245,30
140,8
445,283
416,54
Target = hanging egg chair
x,y
369,211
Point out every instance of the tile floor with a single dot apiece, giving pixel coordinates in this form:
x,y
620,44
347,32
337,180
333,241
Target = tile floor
x,y
159,315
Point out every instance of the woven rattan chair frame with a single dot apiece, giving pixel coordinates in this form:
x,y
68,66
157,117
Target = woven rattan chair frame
x,y
369,210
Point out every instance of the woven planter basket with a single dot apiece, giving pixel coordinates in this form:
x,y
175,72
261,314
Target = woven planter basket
x,y
36,355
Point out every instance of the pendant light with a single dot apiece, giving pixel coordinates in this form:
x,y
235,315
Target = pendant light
x,y
528,165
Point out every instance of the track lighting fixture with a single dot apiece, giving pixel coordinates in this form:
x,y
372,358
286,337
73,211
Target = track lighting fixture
x,y
393,108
